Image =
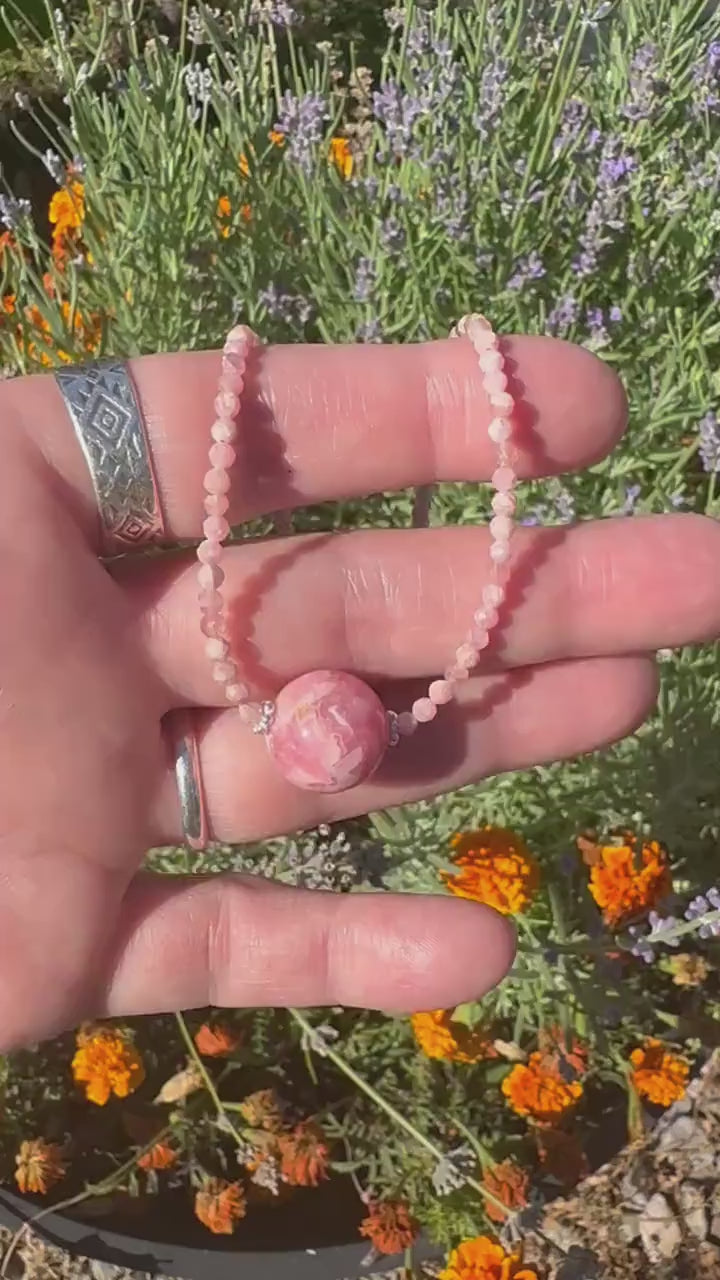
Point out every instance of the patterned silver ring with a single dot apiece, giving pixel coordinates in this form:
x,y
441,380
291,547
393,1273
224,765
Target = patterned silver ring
x,y
193,808
105,411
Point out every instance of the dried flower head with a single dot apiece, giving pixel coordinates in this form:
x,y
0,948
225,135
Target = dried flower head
x,y
303,1155
262,1110
106,1062
389,1226
161,1156
220,1205
563,1049
39,1166
439,1037
658,1075
628,881
561,1156
688,970
496,867
508,1183
484,1259
216,1041
537,1089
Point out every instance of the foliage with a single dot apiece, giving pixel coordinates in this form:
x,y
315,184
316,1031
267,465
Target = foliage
x,y
551,161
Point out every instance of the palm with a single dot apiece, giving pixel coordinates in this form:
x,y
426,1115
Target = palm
x,y
92,663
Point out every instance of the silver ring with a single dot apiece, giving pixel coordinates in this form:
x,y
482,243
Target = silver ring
x,y
193,808
104,407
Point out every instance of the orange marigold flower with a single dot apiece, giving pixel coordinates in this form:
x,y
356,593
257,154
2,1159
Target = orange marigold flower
x,y
496,867
277,138
508,1183
561,1156
341,156
67,207
262,1110
244,165
220,1205
569,1052
216,1041
390,1226
658,1075
39,1166
439,1037
106,1062
303,1156
9,304
161,1156
484,1259
7,242
626,881
538,1089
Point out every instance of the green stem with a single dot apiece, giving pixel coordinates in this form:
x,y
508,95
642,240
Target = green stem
x,y
207,1078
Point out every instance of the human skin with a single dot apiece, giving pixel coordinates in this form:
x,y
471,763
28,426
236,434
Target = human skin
x,y
95,661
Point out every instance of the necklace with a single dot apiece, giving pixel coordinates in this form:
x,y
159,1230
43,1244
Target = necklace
x,y
328,730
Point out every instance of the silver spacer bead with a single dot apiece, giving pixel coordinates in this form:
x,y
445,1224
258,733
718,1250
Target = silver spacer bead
x,y
267,715
393,728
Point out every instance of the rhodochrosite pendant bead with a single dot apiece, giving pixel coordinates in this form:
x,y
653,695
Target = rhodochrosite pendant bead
x,y
329,732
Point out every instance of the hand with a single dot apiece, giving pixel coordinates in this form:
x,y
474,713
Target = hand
x,y
91,662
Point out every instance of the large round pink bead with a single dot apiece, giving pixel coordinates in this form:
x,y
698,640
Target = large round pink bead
x,y
330,731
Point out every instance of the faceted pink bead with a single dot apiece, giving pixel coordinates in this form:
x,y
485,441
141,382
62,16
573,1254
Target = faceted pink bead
x,y
216,527
236,692
481,339
216,649
490,362
223,432
466,655
472,325
493,595
232,380
249,713
503,504
222,455
216,504
209,576
233,360
240,335
210,600
503,479
501,528
224,672
441,692
330,731
209,552
499,552
214,625
486,618
407,724
424,710
217,481
227,404
502,400
457,673
495,383
479,637
499,430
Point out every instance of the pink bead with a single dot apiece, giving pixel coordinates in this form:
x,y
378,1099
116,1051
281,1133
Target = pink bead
x,y
495,383
330,731
223,432
493,595
479,637
474,323
503,504
487,618
499,430
249,713
490,362
222,455
209,552
240,335
236,692
209,576
482,339
456,673
466,656
501,528
216,528
216,504
214,625
216,649
499,552
441,692
224,672
424,710
502,400
407,724
232,380
210,602
227,404
217,481
503,479
233,360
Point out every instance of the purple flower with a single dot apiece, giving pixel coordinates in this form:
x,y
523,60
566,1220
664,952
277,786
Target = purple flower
x,y
645,87
302,122
397,111
392,234
290,307
615,315
278,12
702,905
709,450
632,493
563,315
365,278
707,80
369,331
13,212
530,268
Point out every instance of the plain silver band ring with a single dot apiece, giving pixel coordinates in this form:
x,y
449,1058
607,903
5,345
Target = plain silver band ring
x,y
105,411
188,775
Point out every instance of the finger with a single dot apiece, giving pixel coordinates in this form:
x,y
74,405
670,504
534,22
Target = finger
x,y
387,605
498,724
231,940
322,422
